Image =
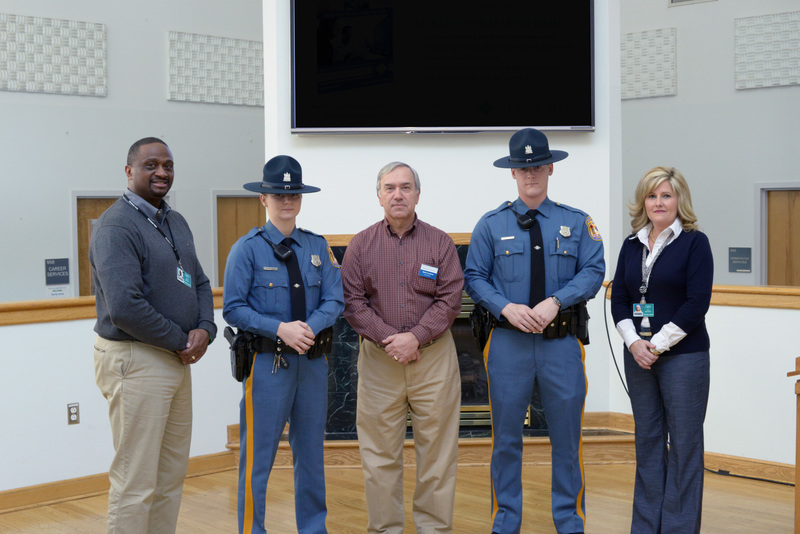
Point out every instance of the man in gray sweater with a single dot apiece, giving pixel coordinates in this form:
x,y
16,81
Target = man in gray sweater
x,y
155,317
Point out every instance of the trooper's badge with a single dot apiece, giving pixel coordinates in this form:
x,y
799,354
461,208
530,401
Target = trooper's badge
x,y
315,261
565,232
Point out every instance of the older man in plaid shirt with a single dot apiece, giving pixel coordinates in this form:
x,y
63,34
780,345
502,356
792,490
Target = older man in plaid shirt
x,y
402,283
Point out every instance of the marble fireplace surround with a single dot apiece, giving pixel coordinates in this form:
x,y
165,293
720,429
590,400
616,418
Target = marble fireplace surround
x,y
343,373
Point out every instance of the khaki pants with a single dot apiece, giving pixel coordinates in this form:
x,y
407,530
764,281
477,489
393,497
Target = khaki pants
x,y
149,393
430,389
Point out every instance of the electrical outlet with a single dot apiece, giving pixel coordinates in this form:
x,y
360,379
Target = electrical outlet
x,y
73,414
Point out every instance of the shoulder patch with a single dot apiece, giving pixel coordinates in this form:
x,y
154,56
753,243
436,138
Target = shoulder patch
x,y
333,258
594,232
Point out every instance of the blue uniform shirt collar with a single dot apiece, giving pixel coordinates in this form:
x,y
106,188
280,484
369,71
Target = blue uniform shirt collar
x,y
545,208
275,235
147,208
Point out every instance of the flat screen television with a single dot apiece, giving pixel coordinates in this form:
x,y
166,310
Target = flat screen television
x,y
439,66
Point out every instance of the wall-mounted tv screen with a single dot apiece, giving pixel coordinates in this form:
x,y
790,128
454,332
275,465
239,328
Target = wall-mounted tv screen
x,y
437,66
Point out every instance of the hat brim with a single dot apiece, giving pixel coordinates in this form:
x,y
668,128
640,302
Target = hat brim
x,y
260,187
507,163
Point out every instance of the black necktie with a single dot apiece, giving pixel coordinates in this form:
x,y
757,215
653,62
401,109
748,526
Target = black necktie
x,y
297,291
537,261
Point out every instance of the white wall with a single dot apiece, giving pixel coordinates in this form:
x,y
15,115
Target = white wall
x,y
46,366
751,412
54,146
723,141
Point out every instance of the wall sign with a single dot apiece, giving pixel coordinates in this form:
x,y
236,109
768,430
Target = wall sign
x,y
739,260
56,276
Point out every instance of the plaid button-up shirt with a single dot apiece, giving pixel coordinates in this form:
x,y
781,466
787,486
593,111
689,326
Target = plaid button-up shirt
x,y
388,283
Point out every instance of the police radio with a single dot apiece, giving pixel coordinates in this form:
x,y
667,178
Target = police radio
x,y
281,251
524,220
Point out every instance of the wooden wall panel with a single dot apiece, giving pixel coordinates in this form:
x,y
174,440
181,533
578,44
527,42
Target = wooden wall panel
x,y
235,217
89,209
783,238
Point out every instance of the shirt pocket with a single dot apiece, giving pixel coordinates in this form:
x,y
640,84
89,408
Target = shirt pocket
x,y
565,259
421,284
272,291
509,264
313,280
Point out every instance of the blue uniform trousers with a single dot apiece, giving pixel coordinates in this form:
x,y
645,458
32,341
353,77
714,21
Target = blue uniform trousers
x,y
669,406
514,360
298,395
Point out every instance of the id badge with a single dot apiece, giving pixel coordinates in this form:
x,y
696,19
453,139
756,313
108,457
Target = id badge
x,y
184,277
644,310
428,271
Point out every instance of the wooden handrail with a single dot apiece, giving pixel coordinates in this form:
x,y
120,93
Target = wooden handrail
x,y
774,297
49,310
72,309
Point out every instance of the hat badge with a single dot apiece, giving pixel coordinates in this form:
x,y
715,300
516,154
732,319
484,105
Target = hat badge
x,y
287,177
528,149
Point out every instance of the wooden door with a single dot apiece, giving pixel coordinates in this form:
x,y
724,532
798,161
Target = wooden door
x,y
89,210
783,238
235,217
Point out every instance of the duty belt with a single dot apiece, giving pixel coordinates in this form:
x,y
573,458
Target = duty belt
x,y
562,325
265,344
322,345
569,321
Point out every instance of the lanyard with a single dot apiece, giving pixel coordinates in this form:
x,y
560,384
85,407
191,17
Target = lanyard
x,y
160,231
647,270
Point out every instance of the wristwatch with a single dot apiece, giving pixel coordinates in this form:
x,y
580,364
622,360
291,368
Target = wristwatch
x,y
556,300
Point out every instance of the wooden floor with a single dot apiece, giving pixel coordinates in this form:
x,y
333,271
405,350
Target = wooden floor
x,y
731,505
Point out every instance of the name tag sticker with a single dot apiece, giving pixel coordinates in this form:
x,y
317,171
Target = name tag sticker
x,y
184,277
644,310
428,271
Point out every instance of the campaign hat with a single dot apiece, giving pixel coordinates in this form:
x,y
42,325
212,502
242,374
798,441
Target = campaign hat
x,y
529,148
282,176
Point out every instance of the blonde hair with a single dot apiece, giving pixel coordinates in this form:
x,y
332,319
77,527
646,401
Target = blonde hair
x,y
649,182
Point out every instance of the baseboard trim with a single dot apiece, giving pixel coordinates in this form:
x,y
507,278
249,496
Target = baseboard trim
x,y
716,462
749,468
65,490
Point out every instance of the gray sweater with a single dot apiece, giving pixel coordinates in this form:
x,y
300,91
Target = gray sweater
x,y
135,280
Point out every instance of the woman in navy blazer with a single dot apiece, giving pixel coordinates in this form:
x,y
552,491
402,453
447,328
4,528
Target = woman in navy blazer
x,y
659,298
